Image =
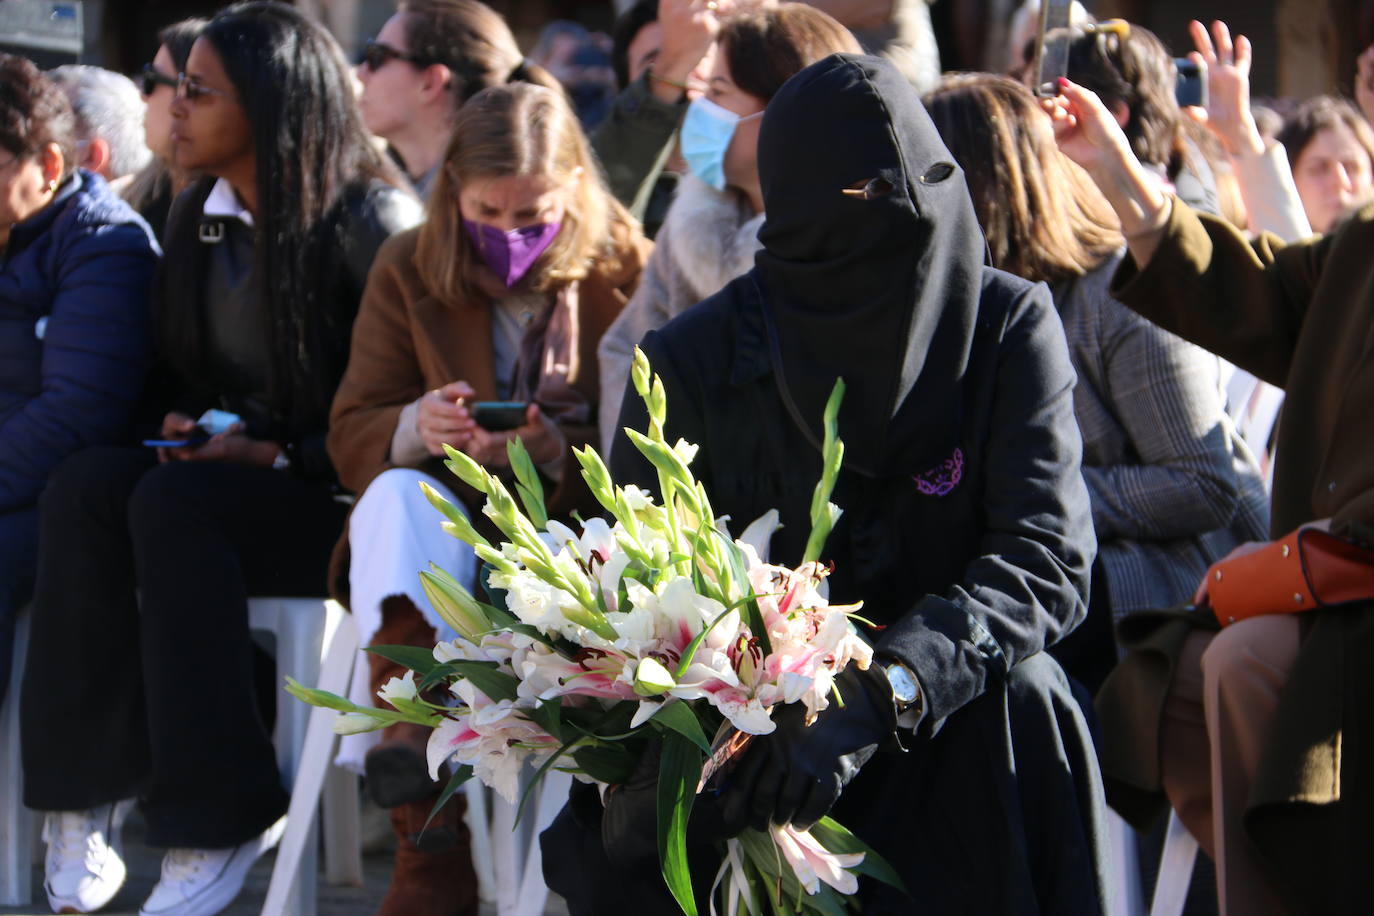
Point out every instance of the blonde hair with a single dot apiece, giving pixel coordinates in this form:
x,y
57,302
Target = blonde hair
x,y
526,130
1041,215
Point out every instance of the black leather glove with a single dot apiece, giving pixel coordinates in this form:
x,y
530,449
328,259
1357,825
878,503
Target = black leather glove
x,y
629,824
795,774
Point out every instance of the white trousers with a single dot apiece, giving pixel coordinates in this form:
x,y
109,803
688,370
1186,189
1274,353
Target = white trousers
x,y
393,534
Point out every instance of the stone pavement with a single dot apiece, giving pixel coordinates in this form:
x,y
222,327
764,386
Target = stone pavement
x,y
144,864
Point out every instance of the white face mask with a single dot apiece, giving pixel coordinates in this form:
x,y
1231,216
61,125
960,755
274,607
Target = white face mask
x,y
706,133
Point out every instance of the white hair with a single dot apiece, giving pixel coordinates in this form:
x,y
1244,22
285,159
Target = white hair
x,y
108,106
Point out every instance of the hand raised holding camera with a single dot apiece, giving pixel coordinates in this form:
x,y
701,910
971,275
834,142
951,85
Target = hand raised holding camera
x,y
1226,64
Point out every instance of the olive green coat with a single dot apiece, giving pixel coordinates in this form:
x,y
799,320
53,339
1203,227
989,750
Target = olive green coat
x,y
1302,317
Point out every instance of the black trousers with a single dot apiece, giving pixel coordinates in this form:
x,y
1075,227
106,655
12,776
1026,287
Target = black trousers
x,y
139,678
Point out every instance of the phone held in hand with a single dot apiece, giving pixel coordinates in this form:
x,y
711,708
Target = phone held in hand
x,y
196,437
1191,88
499,416
211,423
1052,41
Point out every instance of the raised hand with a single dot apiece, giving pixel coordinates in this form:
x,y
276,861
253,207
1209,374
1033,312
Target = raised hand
x,y
1227,65
1364,83
1086,131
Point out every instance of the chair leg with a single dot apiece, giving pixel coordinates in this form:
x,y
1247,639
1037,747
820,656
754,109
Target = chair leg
x,y
478,819
534,893
16,821
305,753
1127,899
1175,870
343,847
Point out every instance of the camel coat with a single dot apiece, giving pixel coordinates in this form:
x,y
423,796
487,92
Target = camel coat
x,y
407,341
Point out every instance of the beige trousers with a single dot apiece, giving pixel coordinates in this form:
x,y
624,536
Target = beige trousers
x,y
1216,720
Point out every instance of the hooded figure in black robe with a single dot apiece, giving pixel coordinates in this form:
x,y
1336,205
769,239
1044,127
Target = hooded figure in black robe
x,y
966,529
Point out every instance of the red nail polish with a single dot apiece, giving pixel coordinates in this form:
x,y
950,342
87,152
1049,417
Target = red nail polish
x,y
1063,81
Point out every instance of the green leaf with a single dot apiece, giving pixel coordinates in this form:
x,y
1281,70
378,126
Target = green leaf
x,y
679,717
608,763
823,512
416,658
679,771
316,697
483,675
538,777
460,776
548,715
836,838
531,490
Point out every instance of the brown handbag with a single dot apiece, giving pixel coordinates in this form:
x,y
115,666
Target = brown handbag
x,y
1306,569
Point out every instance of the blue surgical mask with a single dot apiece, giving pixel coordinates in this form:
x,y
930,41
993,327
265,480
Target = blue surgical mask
x,y
706,134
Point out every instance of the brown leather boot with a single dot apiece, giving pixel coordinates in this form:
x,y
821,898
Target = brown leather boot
x,y
397,768
433,874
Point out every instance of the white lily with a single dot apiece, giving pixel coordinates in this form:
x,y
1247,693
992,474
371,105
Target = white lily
x,y
399,688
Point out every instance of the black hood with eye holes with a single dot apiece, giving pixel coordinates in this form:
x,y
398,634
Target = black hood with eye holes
x,y
858,285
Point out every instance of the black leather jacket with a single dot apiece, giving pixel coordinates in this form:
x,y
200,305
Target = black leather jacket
x,y
209,267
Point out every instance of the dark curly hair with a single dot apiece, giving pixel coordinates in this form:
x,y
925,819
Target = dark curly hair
x,y
1137,71
34,112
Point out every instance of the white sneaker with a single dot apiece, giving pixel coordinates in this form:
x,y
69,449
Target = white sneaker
x,y
84,867
202,882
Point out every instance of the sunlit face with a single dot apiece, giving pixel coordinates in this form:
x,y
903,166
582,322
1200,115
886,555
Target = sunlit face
x,y
157,120
741,158
210,130
1333,173
391,91
514,201
24,185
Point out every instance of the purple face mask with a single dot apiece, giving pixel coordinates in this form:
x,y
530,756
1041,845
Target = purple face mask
x,y
511,254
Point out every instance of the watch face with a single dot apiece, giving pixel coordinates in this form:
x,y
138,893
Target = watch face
x,y
904,688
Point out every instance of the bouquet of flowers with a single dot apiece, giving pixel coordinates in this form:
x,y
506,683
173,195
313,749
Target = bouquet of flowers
x,y
654,627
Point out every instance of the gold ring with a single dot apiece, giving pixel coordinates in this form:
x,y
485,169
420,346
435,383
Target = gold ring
x,y
712,5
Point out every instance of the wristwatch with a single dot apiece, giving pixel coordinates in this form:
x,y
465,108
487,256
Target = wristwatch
x,y
906,690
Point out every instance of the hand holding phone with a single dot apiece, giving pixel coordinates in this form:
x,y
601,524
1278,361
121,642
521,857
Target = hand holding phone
x,y
499,416
1052,41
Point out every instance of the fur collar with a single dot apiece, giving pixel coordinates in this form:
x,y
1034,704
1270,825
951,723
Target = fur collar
x,y
713,237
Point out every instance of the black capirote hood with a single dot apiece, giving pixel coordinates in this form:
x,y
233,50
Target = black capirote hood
x,y
872,260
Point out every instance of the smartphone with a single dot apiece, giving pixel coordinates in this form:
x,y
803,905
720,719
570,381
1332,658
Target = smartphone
x,y
497,416
196,437
1052,41
1191,88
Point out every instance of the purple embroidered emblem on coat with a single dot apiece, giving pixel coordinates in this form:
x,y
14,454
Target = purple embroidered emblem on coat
x,y
942,478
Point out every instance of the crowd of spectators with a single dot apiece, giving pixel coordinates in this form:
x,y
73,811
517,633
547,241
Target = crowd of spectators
x,y
1094,343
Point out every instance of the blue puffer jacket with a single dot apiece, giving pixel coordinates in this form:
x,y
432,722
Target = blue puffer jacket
x,y
75,340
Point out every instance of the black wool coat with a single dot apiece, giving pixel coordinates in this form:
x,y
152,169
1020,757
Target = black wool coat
x,y
972,567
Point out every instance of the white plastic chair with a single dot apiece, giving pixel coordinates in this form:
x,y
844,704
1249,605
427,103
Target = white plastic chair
x,y
311,634
17,824
1175,869
316,644
1127,898
505,855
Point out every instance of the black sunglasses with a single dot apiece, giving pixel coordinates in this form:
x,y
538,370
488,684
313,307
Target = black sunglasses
x,y
150,78
376,54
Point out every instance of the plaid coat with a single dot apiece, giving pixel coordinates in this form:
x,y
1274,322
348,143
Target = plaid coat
x,y
1173,486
